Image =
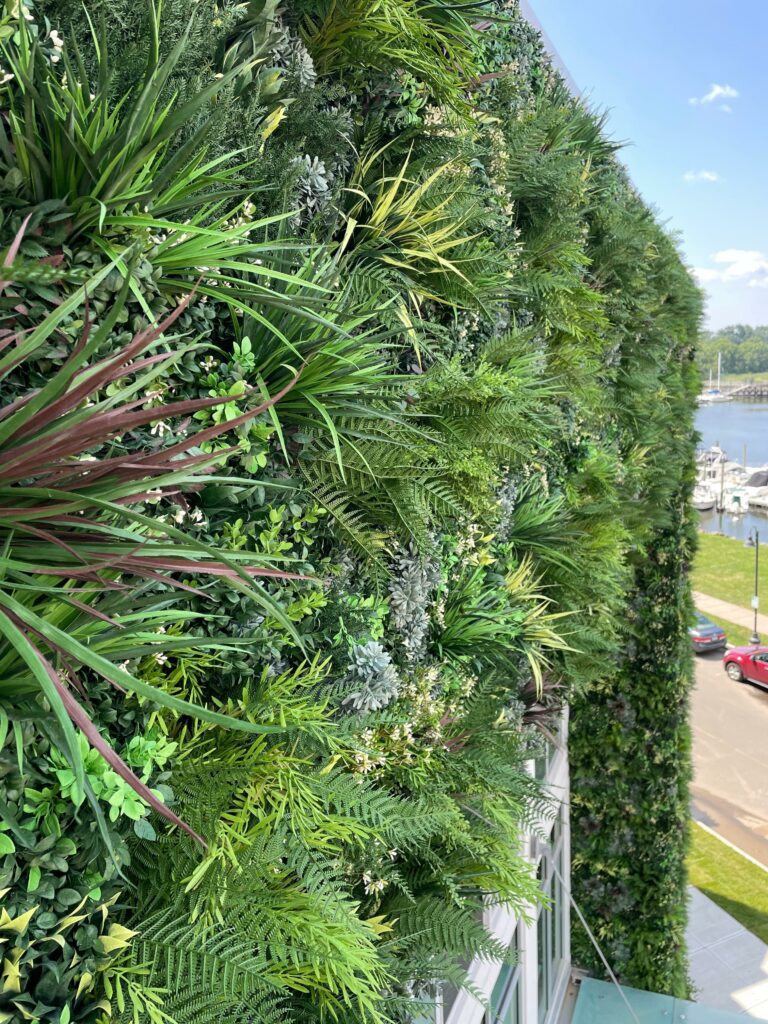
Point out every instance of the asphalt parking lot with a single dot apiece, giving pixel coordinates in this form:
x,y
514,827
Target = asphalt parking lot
x,y
730,757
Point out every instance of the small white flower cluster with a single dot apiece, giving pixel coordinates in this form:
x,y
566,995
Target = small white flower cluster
x,y
364,764
469,684
470,323
468,542
156,393
195,515
418,692
433,116
497,173
58,45
403,732
244,218
373,886
499,155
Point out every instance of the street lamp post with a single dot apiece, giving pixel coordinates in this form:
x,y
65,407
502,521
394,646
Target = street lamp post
x,y
753,541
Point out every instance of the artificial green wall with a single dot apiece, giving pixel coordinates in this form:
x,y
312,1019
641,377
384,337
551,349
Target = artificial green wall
x,y
346,391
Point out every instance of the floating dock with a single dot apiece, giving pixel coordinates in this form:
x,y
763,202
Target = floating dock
x,y
747,390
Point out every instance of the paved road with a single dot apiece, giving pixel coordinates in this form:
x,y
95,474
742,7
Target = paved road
x,y
730,757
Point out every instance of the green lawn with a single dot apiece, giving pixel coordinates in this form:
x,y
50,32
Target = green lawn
x,y
737,635
733,882
724,568
738,378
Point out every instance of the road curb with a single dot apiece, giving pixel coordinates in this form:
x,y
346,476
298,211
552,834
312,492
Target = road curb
x,y
733,846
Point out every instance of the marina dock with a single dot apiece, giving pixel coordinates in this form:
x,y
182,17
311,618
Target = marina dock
x,y
749,389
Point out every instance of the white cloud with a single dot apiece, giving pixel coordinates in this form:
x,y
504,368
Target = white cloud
x,y
726,108
737,266
716,92
706,274
711,176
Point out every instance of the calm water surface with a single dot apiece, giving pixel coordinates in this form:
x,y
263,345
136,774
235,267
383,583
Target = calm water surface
x,y
733,425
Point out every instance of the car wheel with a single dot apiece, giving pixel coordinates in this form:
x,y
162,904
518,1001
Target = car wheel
x,y
734,672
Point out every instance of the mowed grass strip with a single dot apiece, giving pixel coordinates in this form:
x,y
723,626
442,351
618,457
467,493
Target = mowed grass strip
x,y
737,635
730,880
740,378
724,568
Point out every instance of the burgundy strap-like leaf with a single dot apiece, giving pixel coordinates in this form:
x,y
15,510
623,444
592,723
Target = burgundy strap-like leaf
x,y
91,576
104,373
171,564
10,256
73,676
50,538
35,456
67,598
170,581
120,468
13,250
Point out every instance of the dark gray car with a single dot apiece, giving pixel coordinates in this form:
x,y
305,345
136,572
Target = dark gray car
x,y
705,635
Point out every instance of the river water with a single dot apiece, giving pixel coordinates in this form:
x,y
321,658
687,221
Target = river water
x,y
734,425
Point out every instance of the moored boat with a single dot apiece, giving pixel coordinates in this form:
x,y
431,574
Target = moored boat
x,y
703,499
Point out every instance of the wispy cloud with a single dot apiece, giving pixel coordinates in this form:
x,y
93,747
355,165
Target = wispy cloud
x,y
737,266
693,176
717,92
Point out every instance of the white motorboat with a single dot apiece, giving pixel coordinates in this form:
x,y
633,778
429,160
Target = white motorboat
x,y
703,499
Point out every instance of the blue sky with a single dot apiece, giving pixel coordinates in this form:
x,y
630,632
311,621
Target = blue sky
x,y
686,83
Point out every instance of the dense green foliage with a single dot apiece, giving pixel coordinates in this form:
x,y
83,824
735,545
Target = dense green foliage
x,y
345,431
631,766
630,739
742,349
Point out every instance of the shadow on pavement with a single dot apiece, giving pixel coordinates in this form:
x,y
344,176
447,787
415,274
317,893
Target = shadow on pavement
x,y
754,920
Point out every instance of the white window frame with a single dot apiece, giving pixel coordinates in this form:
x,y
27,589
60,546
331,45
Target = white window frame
x,y
502,923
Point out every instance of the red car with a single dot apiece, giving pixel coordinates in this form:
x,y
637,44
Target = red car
x,y
747,663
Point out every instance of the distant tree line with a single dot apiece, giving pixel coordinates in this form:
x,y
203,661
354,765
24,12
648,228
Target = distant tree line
x,y
743,349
